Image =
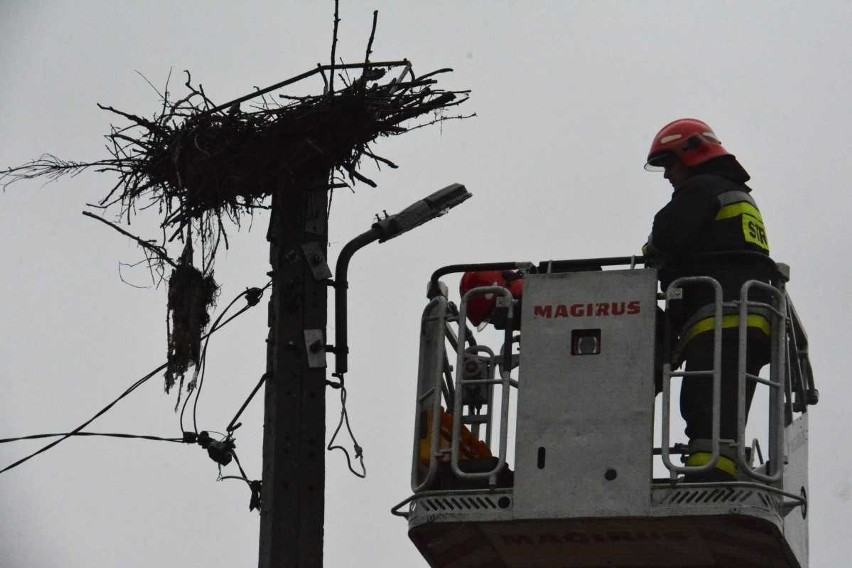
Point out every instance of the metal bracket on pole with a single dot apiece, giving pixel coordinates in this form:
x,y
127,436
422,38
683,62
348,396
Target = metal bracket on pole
x,y
316,260
315,348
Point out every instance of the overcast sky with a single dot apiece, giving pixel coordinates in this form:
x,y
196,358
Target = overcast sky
x,y
568,97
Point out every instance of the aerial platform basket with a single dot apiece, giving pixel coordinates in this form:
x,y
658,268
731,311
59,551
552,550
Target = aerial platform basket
x,y
581,490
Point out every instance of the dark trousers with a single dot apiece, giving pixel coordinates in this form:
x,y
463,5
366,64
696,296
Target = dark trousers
x,y
696,393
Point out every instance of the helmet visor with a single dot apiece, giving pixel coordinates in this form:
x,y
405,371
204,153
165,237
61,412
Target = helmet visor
x,y
660,161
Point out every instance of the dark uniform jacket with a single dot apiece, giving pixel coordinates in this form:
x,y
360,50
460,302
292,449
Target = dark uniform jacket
x,y
711,227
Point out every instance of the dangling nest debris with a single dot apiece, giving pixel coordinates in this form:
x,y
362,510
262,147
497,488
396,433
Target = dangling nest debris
x,y
191,296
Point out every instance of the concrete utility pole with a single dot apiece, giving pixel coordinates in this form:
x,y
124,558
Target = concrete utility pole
x,y
291,516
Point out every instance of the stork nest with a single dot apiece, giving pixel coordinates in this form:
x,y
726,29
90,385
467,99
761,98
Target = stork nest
x,y
199,162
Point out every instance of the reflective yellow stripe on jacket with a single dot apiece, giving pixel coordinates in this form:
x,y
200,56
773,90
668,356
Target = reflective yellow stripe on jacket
x,y
735,209
740,204
707,324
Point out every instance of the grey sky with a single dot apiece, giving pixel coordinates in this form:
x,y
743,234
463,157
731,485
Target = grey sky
x,y
568,95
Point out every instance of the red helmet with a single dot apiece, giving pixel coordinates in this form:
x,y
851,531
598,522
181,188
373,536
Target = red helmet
x,y
479,307
690,139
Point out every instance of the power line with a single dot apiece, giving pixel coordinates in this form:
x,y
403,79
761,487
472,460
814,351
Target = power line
x,y
344,420
233,425
76,430
254,485
252,295
105,434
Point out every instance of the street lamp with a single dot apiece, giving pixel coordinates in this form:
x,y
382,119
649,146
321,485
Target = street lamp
x,y
383,230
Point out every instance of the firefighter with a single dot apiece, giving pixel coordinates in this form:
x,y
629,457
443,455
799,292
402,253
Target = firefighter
x,y
481,309
711,227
